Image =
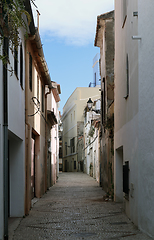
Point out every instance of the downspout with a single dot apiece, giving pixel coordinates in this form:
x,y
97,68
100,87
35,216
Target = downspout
x,y
5,128
46,140
27,145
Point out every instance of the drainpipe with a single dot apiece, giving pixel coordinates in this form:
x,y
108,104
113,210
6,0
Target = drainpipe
x,y
28,132
5,128
46,140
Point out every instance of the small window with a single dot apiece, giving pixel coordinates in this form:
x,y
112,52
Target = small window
x,y
66,148
30,71
60,152
74,165
42,98
72,145
104,101
95,79
38,87
16,61
126,178
21,66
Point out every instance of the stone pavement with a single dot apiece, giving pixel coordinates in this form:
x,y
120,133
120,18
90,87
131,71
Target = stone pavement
x,y
74,209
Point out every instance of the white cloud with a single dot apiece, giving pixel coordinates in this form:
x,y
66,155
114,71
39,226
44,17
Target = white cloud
x,y
71,20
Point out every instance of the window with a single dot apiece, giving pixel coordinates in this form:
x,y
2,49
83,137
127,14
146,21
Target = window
x,y
126,178
95,80
74,165
104,102
16,61
60,152
42,98
38,87
72,145
21,66
30,71
66,148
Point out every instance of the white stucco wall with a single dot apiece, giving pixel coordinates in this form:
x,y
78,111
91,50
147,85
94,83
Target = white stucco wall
x,y
146,116
16,98
17,176
134,131
16,130
126,110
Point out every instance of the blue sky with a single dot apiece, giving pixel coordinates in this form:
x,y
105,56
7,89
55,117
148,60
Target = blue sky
x,y
67,29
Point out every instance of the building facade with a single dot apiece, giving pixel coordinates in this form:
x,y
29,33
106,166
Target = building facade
x,y
12,134
133,144
96,73
91,150
73,125
26,120
104,39
53,134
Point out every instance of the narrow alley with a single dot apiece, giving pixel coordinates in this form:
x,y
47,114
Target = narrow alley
x,y
74,209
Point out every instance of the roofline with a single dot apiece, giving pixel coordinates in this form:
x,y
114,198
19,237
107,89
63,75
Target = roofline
x,y
108,15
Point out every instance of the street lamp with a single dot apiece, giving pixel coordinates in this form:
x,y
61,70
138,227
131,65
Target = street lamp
x,y
90,104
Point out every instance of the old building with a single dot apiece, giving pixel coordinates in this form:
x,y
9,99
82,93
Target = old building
x,y
38,115
53,117
73,125
91,150
12,132
104,39
60,128
133,111
29,111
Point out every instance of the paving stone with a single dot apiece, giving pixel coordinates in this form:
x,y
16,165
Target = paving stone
x,y
74,208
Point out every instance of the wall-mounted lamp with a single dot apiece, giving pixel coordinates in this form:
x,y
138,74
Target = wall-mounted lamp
x,y
90,104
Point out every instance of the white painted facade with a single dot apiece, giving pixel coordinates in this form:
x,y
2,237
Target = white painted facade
x,y
16,136
52,105
134,109
91,148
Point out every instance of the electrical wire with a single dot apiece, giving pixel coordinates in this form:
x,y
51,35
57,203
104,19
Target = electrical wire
x,y
91,142
37,106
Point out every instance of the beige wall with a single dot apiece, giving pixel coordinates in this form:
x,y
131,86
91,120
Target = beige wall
x,y
35,124
73,113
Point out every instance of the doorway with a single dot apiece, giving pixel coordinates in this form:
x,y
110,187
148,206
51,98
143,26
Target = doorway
x,y
65,165
33,166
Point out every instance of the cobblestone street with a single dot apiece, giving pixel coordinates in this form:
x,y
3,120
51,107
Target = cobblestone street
x,y
74,209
